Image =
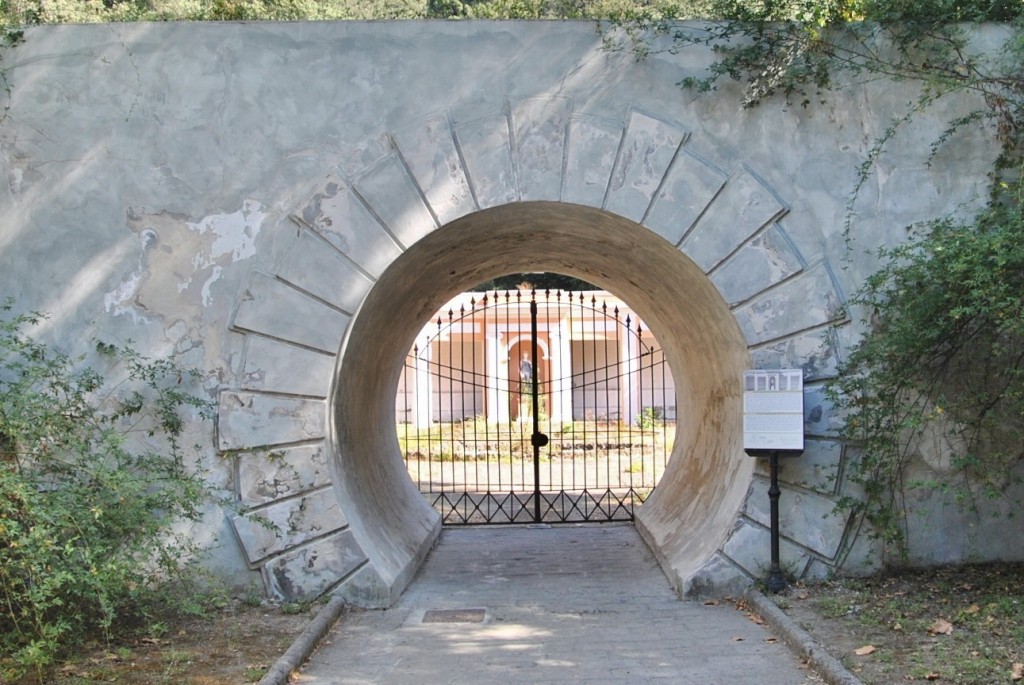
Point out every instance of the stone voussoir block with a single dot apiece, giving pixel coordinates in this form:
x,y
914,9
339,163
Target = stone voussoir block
x,y
273,308
395,199
487,150
313,264
689,187
285,524
270,475
743,207
648,148
338,214
806,301
428,148
309,571
539,126
277,367
246,420
807,518
590,156
759,264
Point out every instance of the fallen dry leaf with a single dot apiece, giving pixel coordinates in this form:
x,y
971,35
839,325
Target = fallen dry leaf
x,y
865,650
1018,672
711,603
737,639
973,609
771,640
941,627
932,676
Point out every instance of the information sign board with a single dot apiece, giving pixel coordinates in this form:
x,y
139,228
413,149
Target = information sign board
x,y
773,410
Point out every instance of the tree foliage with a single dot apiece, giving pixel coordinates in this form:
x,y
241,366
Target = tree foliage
x,y
92,476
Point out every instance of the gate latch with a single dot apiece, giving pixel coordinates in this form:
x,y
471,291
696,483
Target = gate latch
x,y
538,439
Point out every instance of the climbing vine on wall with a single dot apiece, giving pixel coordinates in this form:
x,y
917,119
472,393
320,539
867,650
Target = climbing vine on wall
x,y
942,361
941,372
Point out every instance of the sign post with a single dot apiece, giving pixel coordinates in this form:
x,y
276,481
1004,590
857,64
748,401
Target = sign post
x,y
773,426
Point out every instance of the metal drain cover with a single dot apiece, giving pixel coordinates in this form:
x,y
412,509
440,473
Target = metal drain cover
x,y
454,615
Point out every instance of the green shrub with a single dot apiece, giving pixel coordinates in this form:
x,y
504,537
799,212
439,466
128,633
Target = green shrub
x,y
944,355
92,475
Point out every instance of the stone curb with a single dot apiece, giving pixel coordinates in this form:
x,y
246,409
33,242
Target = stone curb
x,y
280,673
800,641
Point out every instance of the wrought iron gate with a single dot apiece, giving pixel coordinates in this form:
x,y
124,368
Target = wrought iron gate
x,y
536,407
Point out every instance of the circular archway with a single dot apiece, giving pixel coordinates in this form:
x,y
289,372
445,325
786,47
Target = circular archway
x,y
690,513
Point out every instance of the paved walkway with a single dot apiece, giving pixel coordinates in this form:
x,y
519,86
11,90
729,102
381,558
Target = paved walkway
x,y
566,604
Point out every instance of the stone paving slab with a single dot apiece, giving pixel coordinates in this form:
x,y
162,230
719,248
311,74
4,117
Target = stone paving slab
x,y
562,604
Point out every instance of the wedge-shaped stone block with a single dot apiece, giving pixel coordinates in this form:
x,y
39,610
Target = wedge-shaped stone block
x,y
806,518
749,547
278,367
816,352
806,301
365,588
393,196
340,216
590,157
816,469
309,571
246,420
270,475
764,261
275,309
820,415
719,577
744,206
286,524
317,267
648,148
539,127
690,186
428,148
487,149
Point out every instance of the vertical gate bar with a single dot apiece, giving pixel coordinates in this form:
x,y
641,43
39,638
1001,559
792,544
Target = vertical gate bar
x,y
480,382
447,371
607,396
640,395
572,389
507,398
497,394
462,402
536,408
597,397
619,400
582,452
630,414
543,395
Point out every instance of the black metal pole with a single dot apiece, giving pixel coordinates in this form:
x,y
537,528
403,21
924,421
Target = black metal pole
x,y
534,440
776,583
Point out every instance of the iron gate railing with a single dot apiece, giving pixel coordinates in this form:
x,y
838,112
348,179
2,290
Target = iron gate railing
x,y
528,407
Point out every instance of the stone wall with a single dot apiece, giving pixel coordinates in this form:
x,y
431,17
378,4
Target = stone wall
x,y
233,193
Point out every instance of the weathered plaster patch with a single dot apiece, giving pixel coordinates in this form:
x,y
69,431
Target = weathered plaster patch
x,y
179,264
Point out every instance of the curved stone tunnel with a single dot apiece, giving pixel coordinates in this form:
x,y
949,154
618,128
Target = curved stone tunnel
x,y
701,255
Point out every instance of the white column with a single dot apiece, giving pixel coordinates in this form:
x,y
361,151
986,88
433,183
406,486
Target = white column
x,y
423,409
497,376
561,373
630,390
